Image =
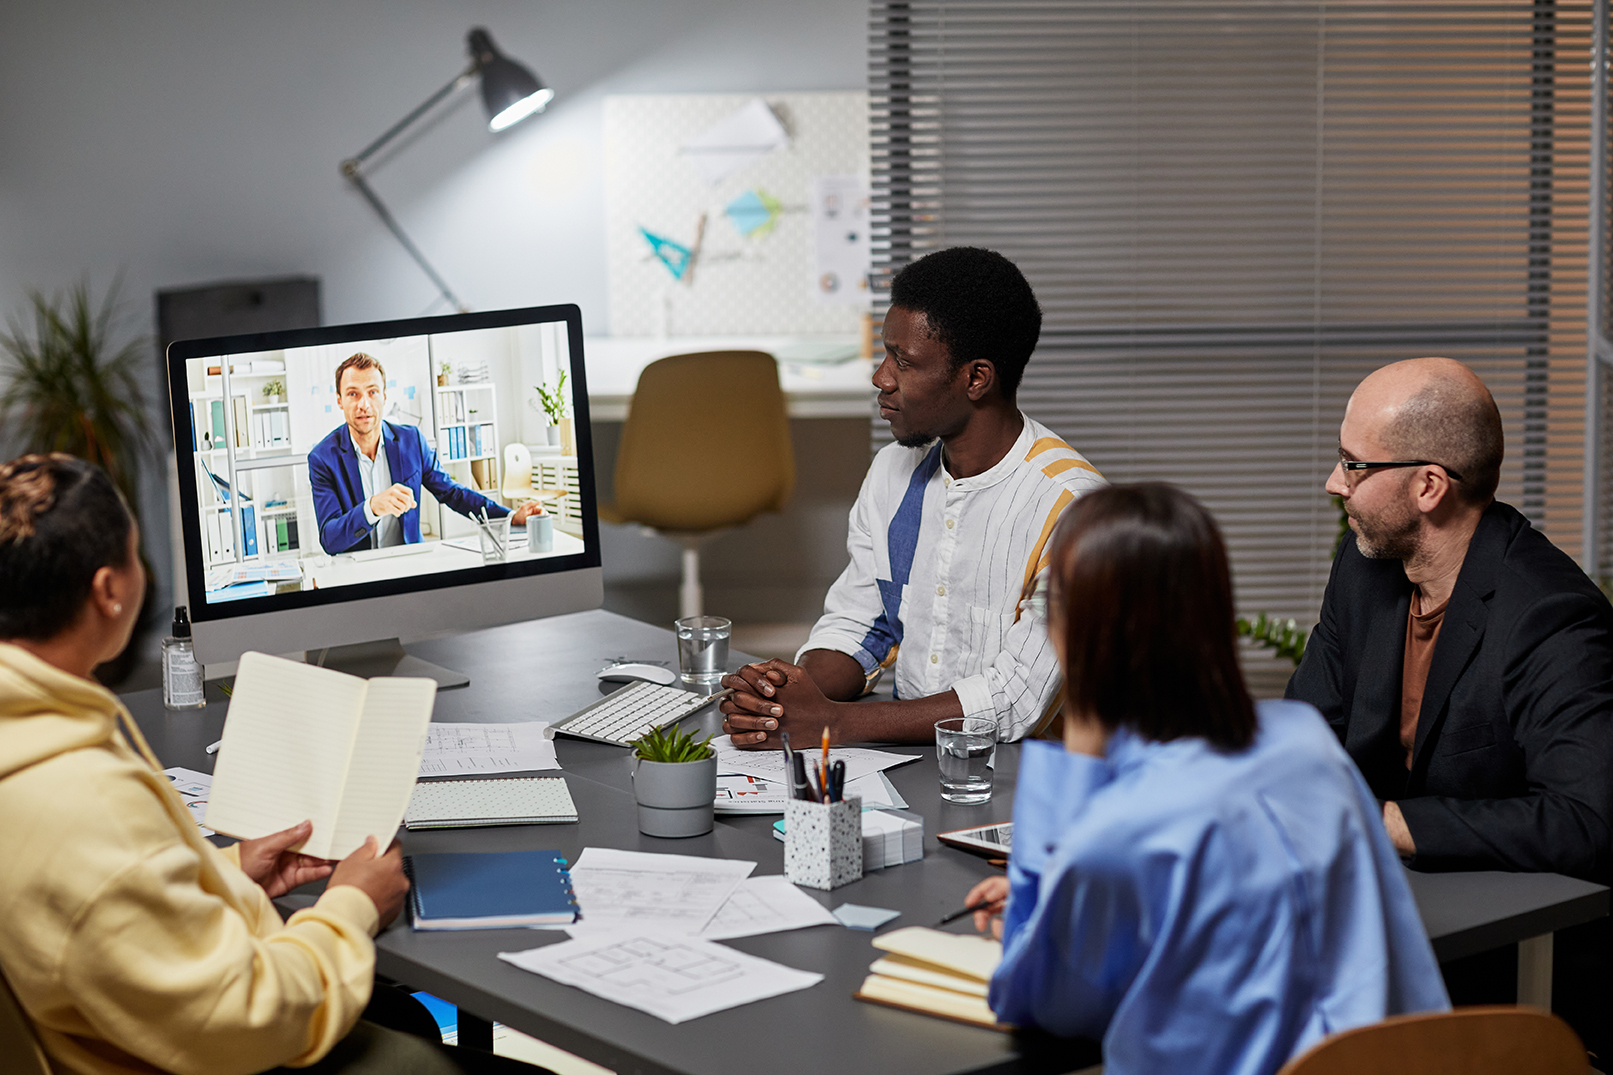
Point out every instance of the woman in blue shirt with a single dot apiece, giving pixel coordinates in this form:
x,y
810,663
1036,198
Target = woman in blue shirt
x,y
1200,881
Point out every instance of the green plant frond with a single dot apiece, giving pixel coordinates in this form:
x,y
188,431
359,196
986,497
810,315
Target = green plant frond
x,y
70,389
671,745
1283,637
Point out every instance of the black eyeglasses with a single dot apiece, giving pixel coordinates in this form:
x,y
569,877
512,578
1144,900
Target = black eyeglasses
x,y
1358,464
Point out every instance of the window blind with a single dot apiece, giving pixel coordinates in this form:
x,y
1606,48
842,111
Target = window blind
x,y
1231,212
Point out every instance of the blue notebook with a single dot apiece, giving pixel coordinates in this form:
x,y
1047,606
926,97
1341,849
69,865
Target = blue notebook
x,y
492,890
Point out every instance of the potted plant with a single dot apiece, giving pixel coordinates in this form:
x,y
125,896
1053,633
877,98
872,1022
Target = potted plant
x,y
675,783
274,391
71,388
443,370
554,405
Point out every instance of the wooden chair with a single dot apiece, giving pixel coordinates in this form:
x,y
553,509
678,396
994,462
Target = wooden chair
x,y
20,1050
706,447
518,488
1468,1041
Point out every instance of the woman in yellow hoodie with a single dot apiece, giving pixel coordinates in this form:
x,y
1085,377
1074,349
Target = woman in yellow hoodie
x,y
133,943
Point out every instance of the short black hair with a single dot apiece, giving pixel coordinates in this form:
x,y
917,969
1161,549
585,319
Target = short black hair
x,y
1163,658
978,304
61,521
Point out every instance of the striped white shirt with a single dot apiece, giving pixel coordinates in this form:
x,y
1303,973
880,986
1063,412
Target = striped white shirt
x,y
941,574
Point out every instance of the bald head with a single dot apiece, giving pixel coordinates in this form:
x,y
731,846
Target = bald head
x,y
1435,409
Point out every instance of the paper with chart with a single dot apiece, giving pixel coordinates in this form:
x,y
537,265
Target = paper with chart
x,y
769,764
673,978
194,788
673,893
740,794
307,742
766,905
468,749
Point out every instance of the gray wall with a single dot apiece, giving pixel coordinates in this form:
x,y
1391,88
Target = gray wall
x,y
183,143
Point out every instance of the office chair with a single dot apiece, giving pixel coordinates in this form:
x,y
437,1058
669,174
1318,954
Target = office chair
x,y
1468,1041
518,488
706,447
19,1045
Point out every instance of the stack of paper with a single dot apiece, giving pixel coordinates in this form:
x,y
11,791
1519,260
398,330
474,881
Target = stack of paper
x,y
890,838
935,973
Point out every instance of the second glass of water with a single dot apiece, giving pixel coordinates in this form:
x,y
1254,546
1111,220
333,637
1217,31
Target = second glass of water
x,y
703,649
965,748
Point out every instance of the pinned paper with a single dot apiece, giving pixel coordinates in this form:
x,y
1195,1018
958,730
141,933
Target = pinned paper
x,y
856,916
754,213
840,228
741,139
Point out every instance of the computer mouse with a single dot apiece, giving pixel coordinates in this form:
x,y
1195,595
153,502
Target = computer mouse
x,y
624,673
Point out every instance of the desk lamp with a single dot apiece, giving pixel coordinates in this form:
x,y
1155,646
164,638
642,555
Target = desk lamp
x,y
510,93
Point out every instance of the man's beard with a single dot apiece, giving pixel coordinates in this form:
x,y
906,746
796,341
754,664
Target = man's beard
x,y
1388,536
915,440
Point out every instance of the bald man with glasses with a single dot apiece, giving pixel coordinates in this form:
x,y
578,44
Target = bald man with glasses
x,y
1464,660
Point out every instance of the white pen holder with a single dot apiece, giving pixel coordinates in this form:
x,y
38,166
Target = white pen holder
x,y
823,842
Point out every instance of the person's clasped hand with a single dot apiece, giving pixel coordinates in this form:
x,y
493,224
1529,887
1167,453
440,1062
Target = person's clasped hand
x,y
771,697
393,500
276,867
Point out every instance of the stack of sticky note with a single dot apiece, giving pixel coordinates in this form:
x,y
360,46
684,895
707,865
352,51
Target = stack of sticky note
x,y
890,838
935,973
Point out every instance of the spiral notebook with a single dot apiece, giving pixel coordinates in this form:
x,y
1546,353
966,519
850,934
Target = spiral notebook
x,y
490,890
453,804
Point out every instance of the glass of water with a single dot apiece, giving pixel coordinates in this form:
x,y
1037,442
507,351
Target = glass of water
x,y
965,748
703,649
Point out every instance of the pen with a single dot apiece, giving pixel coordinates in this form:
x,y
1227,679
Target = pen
x,y
789,757
798,776
955,915
837,780
212,748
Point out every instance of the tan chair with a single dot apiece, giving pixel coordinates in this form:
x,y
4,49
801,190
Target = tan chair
x,y
518,488
20,1050
706,447
1468,1041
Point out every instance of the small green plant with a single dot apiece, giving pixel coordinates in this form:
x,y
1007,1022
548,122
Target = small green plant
x,y
671,745
445,368
274,388
1281,636
553,403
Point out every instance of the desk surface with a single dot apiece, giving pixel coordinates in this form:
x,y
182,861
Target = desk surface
x,y
811,389
543,670
425,558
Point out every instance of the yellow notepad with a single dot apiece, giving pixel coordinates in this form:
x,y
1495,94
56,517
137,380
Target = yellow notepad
x,y
935,973
303,742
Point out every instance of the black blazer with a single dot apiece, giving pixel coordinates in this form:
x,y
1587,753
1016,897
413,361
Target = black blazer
x,y
1513,763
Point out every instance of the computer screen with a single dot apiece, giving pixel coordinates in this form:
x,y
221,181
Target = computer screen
x,y
395,479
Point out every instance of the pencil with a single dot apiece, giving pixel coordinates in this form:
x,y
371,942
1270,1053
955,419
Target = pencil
x,y
825,763
971,909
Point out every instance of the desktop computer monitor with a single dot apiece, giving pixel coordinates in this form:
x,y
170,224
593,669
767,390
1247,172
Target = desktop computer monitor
x,y
477,415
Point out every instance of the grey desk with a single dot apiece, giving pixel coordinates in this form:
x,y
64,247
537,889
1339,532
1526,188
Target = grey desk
x,y
544,670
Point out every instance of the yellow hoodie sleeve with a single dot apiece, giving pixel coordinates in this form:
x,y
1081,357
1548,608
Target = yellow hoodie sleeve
x,y
175,975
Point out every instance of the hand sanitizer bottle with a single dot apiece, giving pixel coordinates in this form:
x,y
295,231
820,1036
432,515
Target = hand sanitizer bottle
x,y
181,675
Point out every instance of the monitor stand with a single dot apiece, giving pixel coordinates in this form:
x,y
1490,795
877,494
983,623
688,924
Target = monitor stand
x,y
384,658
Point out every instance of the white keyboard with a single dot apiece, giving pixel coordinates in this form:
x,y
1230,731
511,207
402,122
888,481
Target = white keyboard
x,y
624,715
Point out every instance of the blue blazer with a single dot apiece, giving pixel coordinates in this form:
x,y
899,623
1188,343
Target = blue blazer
x,y
339,494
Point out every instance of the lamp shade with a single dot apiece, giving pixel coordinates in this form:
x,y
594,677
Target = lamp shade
x,y
510,92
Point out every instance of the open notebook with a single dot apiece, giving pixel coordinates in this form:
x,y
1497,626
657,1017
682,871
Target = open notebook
x,y
303,742
934,973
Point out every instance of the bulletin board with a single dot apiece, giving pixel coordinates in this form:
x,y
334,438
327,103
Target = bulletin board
x,y
757,264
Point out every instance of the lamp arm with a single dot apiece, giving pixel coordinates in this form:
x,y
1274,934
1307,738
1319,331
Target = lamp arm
x,y
353,166
357,179
459,81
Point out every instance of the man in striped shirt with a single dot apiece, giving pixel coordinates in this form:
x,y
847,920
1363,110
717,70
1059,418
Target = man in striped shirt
x,y
948,537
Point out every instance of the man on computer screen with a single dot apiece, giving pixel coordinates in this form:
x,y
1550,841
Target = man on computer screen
x,y
368,472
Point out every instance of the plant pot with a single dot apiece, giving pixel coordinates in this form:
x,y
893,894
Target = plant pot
x,y
675,799
551,436
442,380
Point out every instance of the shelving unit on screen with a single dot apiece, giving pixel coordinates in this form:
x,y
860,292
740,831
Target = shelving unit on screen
x,y
468,444
252,505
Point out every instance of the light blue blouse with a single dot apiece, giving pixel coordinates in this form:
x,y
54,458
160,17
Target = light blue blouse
x,y
1207,912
